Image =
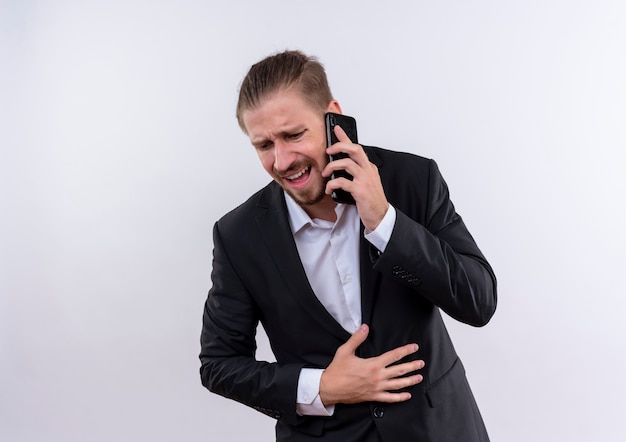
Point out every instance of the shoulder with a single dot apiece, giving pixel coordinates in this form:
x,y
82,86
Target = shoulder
x,y
267,198
402,168
410,181
396,159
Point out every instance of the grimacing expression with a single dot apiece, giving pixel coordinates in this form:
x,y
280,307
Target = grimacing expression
x,y
289,136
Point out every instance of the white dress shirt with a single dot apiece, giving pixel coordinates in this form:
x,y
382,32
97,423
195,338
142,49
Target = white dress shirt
x,y
329,252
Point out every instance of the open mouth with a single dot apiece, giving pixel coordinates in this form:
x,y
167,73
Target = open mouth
x,y
298,176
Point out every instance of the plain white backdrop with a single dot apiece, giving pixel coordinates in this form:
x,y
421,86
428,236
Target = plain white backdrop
x,y
119,149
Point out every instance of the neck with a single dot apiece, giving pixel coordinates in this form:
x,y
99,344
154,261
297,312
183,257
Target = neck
x,y
325,209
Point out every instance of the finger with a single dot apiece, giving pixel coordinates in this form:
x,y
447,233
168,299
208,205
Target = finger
x,y
341,134
357,338
345,144
393,385
396,371
350,164
339,183
398,353
388,397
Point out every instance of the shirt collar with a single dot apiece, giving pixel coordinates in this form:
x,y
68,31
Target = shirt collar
x,y
298,218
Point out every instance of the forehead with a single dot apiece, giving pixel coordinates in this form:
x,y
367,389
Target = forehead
x,y
278,111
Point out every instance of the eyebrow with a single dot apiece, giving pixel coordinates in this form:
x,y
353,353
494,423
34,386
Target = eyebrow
x,y
281,134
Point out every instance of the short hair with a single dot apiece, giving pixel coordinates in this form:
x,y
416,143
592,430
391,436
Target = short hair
x,y
281,71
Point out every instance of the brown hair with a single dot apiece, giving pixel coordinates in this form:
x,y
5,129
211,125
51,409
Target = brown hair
x,y
283,70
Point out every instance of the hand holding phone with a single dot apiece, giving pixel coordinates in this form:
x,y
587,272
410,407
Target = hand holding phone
x,y
348,124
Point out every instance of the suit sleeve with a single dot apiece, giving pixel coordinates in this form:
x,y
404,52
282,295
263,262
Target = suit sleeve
x,y
228,346
431,251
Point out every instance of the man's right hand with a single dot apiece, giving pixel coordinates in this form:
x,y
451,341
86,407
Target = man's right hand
x,y
350,379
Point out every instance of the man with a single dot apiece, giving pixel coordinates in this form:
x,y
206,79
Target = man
x,y
349,295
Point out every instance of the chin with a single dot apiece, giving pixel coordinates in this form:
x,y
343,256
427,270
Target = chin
x,y
307,199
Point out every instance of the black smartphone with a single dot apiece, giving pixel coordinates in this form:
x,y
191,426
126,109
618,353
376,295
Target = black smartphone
x,y
348,124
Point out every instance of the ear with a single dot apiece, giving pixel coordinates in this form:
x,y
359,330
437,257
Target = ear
x,y
334,107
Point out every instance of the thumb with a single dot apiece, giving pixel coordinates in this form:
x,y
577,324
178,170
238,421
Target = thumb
x,y
357,338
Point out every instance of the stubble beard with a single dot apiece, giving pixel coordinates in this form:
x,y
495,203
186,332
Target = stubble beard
x,y
309,198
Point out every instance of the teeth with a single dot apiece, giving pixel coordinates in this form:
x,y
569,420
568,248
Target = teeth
x,y
298,174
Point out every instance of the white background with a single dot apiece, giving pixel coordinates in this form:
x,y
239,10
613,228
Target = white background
x,y
120,149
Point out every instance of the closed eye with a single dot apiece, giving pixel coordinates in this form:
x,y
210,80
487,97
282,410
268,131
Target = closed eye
x,y
264,146
294,137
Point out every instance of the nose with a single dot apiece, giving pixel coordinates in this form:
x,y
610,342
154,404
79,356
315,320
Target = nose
x,y
284,157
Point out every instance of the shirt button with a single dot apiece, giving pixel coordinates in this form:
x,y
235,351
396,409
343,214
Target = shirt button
x,y
379,412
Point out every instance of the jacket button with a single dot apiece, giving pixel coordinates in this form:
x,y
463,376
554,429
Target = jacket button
x,y
379,412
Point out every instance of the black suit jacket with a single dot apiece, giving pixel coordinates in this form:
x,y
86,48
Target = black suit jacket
x,y
431,262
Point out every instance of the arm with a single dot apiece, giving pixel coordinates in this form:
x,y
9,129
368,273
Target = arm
x,y
438,258
228,346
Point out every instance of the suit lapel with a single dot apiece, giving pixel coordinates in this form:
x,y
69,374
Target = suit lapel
x,y
370,280
274,226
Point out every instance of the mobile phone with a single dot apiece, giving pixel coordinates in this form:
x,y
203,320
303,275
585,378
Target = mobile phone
x,y
348,124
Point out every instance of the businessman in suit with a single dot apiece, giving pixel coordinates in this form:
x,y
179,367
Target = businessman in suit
x,y
349,295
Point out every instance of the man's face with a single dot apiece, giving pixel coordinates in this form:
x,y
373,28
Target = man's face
x,y
289,136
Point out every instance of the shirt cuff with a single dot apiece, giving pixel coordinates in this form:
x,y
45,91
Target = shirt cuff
x,y
380,236
308,401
